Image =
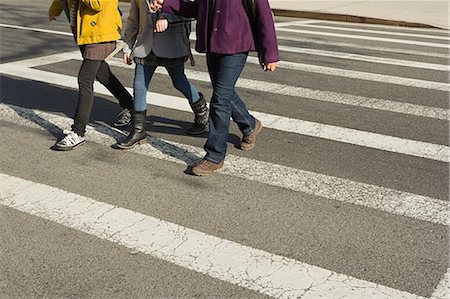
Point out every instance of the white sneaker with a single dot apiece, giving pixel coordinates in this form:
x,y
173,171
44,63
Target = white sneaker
x,y
70,141
123,119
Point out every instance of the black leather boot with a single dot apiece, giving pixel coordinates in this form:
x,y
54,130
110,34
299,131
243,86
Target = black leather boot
x,y
138,134
201,117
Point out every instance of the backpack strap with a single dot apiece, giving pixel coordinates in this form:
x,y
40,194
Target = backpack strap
x,y
250,9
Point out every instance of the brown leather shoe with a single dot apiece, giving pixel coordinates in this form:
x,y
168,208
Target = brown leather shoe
x,y
248,141
205,167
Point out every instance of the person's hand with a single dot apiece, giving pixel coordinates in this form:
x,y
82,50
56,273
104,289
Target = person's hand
x,y
51,18
270,67
156,5
161,25
127,58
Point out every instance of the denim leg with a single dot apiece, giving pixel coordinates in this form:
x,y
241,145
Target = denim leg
x,y
86,76
240,115
224,72
142,76
181,83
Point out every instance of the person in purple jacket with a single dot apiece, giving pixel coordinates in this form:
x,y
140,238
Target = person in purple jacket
x,y
225,34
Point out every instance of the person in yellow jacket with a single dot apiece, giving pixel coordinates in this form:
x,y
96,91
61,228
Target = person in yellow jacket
x,y
96,25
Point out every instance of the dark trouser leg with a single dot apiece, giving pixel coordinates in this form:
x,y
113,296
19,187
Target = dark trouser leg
x,y
107,78
86,76
224,71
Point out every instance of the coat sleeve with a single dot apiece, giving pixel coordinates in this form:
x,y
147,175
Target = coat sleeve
x,y
186,9
55,8
265,32
131,27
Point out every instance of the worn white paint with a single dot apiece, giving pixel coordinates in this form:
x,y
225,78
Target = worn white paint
x,y
251,268
340,134
334,188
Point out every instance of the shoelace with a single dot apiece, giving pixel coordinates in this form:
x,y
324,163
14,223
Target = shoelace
x,y
124,115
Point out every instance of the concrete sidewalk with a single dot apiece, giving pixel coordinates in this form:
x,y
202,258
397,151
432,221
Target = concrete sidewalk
x,y
429,13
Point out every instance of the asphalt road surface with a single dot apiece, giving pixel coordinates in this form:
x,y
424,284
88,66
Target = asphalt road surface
x,y
346,194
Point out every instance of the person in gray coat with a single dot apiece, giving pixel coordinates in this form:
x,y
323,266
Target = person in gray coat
x,y
150,45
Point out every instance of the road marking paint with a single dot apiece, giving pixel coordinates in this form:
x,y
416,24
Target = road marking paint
x,y
388,27
442,290
359,46
366,58
318,95
358,75
301,38
344,190
390,33
251,268
370,38
345,135
325,96
293,23
36,29
48,59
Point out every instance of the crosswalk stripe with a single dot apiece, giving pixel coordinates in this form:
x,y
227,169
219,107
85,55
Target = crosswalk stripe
x,y
304,39
330,187
322,53
318,95
319,52
379,26
36,29
390,33
293,23
358,75
340,134
251,268
366,58
369,38
442,290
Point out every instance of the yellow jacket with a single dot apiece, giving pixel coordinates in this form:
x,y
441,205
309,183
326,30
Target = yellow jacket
x,y
97,20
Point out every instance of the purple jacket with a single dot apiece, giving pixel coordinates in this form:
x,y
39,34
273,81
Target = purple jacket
x,y
231,33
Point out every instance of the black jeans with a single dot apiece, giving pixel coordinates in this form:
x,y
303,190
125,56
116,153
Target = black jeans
x,y
89,71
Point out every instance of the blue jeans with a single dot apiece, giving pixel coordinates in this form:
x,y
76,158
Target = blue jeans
x,y
143,75
224,71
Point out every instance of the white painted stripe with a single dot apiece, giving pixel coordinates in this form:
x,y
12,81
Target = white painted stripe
x,y
345,135
36,29
293,23
325,96
367,58
390,33
370,38
358,75
387,27
302,38
48,59
251,268
343,190
289,49
300,50
442,290
329,96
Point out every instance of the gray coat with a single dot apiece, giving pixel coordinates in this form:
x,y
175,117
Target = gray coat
x,y
140,38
